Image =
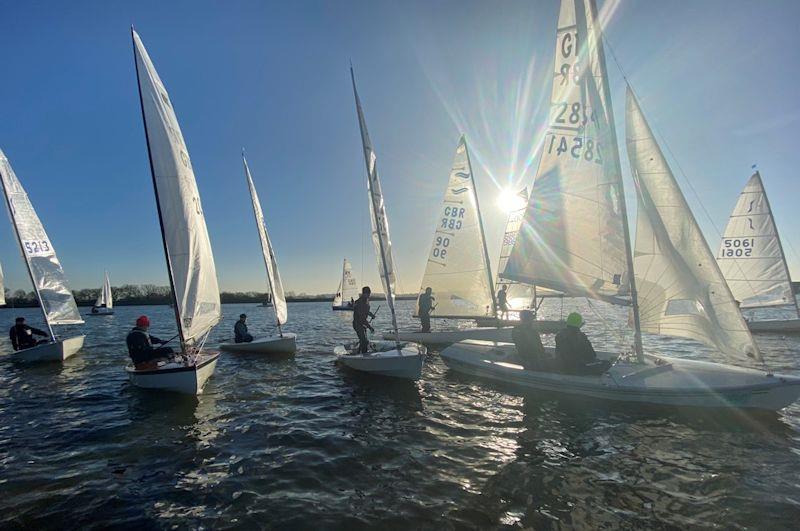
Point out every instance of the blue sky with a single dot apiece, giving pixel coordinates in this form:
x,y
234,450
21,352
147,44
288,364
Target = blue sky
x,y
717,80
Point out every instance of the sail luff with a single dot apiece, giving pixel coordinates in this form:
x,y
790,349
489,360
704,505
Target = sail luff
x,y
2,288
377,210
109,296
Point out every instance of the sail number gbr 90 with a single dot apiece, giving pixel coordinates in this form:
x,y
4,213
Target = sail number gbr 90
x,y
451,221
737,247
37,248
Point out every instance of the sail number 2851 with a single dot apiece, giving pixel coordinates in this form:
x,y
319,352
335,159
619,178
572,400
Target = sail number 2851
x,y
737,247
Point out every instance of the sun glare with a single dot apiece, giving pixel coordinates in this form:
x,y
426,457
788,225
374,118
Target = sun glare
x,y
509,201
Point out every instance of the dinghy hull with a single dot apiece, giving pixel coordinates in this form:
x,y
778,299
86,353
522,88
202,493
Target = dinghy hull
x,y
57,351
177,377
285,344
405,362
775,326
342,308
448,337
100,313
659,381
543,326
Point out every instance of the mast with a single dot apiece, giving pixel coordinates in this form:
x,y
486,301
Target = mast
x,y
375,215
480,225
158,202
601,58
254,198
780,244
27,264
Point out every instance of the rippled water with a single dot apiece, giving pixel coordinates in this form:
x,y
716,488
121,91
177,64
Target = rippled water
x,y
300,443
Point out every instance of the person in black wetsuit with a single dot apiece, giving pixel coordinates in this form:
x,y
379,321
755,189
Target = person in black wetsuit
x,y
140,345
530,350
361,317
426,301
240,333
574,351
21,335
502,302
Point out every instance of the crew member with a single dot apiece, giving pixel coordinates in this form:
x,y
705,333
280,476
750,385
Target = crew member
x,y
361,317
140,346
240,330
426,301
21,335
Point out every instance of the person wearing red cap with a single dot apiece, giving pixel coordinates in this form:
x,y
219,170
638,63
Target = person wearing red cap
x,y
140,346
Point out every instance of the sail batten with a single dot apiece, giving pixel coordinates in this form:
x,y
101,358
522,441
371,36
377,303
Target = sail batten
x,y
47,275
751,255
190,261
458,270
273,276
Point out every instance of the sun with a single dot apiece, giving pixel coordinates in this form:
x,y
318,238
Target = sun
x,y
509,200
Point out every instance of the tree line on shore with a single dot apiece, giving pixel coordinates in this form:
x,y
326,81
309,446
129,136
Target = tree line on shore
x,y
145,294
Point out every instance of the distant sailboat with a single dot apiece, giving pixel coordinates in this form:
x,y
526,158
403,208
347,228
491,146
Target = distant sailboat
x,y
49,282
268,302
190,262
348,290
2,288
752,259
284,342
104,305
391,358
575,239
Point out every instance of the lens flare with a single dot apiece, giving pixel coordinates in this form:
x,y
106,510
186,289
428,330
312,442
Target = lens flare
x,y
510,200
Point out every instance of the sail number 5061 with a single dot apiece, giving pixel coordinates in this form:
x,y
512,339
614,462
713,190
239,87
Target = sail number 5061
x,y
737,247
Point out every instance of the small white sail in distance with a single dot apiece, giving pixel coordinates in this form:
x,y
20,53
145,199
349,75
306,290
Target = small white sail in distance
x,y
49,281
751,254
2,288
273,276
348,287
458,269
681,289
190,260
105,297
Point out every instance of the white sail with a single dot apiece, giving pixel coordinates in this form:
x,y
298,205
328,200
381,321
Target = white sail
x,y
518,295
105,298
458,267
751,255
189,256
377,209
681,289
348,287
48,277
2,288
273,276
573,236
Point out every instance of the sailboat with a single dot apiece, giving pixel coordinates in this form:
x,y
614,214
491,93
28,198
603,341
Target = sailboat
x,y
2,288
575,240
284,342
458,268
752,259
187,249
347,292
104,305
47,276
390,358
268,302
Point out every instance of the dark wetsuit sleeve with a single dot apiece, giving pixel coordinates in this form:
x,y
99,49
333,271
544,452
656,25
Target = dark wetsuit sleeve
x,y
12,335
39,332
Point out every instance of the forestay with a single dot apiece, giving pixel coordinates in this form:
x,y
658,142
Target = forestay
x,y
273,276
348,287
573,237
751,255
681,289
105,298
49,281
458,269
189,256
377,209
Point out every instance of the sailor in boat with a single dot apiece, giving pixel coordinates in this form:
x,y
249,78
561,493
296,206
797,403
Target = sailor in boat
x,y
502,301
361,317
426,301
141,349
21,335
574,351
351,303
241,335
530,350
94,309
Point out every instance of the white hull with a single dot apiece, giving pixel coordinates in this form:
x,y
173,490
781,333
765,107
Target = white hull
x,y
286,344
100,313
448,337
177,376
668,382
342,308
544,326
405,362
775,326
58,351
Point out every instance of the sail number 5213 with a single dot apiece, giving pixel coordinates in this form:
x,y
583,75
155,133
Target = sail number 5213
x,y
37,247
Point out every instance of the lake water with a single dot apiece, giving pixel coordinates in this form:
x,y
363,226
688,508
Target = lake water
x,y
300,443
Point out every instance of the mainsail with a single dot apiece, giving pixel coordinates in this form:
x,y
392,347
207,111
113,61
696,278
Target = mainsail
x,y
105,299
681,289
573,238
348,287
46,272
518,294
751,255
458,267
377,209
273,276
188,251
